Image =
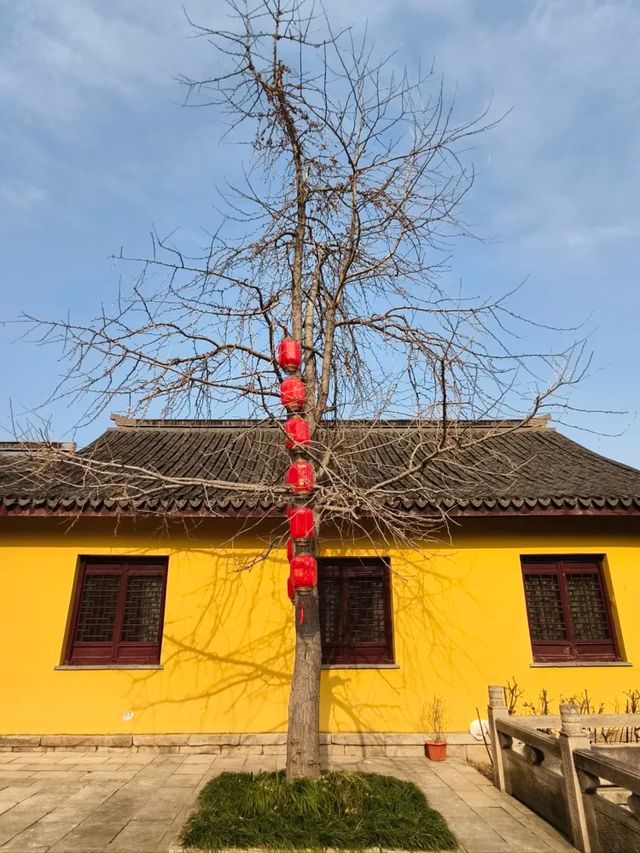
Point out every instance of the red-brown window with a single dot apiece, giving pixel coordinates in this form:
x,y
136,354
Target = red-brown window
x,y
568,609
355,610
117,611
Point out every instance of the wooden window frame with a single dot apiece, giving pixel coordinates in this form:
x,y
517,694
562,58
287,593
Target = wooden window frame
x,y
346,652
115,652
571,649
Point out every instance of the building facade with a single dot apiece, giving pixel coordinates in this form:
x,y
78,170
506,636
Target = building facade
x,y
169,625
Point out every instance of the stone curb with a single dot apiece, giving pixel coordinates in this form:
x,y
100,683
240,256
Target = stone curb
x,y
333,745
177,848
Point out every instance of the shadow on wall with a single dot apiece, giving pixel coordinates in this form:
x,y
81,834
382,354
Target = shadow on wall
x,y
227,654
441,613
227,645
228,642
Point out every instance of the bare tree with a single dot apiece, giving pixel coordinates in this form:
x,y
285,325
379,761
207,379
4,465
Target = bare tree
x,y
338,236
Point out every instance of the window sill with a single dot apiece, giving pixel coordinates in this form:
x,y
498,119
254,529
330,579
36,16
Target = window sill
x,y
83,666
571,663
360,666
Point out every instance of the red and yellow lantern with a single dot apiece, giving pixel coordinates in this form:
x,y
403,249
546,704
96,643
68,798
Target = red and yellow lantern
x,y
293,393
304,571
291,591
289,355
297,433
300,478
301,523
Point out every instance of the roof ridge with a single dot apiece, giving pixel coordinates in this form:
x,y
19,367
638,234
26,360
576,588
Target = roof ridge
x,y
123,422
12,447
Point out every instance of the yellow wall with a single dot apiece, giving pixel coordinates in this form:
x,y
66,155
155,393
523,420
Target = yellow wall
x,y
459,624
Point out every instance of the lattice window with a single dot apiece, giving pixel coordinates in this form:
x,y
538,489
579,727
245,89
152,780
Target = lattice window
x,y
330,621
588,613
355,610
544,606
366,610
98,608
567,608
142,609
117,611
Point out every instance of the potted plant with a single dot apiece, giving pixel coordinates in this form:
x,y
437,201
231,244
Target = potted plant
x,y
434,721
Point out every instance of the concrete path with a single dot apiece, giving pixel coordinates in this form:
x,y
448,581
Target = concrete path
x,y
483,819
93,802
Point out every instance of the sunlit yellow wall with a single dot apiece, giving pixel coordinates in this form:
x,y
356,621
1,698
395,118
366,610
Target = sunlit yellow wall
x,y
459,624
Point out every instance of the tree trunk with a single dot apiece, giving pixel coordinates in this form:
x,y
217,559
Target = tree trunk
x,y
303,741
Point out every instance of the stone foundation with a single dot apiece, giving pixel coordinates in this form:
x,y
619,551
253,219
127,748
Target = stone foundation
x,y
332,745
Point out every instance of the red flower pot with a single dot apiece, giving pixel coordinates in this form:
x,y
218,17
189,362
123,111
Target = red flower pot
x,y
435,750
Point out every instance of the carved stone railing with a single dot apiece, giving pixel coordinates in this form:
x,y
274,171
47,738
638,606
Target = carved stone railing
x,y
611,799
529,769
560,776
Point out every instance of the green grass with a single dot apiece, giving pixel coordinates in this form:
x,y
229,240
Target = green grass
x,y
347,811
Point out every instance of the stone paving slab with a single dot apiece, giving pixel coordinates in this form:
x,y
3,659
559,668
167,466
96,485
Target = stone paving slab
x,y
60,802
476,812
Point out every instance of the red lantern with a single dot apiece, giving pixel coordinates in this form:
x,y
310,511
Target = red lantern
x,y
297,432
289,355
300,478
293,393
291,551
301,523
291,592
304,571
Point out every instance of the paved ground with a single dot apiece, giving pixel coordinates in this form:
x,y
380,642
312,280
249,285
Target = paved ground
x,y
112,803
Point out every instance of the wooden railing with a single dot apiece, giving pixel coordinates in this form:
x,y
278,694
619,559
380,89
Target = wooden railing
x,y
594,798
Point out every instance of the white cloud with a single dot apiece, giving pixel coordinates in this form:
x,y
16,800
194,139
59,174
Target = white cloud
x,y
22,195
563,162
61,60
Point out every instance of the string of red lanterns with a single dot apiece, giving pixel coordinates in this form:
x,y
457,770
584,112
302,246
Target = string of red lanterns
x,y
300,476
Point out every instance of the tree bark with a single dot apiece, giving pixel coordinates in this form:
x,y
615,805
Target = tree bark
x,y
303,741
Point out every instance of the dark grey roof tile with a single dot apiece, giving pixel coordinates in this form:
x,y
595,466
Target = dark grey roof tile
x,y
172,466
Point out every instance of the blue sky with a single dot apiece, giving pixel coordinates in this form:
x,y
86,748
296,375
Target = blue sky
x,y
95,149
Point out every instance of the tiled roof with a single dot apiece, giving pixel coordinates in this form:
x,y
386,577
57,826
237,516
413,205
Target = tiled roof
x,y
234,467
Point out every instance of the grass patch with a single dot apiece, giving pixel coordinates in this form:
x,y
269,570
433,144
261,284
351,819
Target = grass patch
x,y
347,811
